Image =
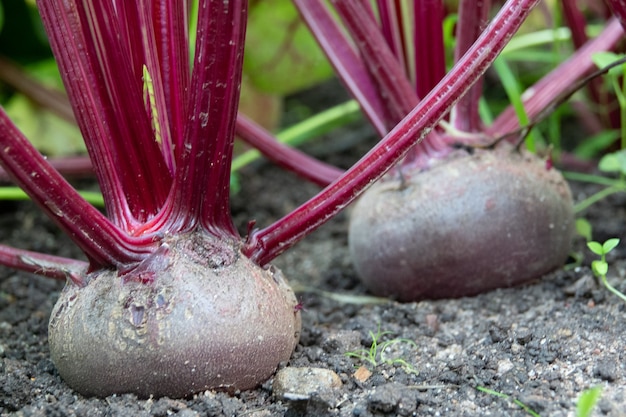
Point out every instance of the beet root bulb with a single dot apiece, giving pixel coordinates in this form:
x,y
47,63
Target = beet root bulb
x,y
470,224
196,315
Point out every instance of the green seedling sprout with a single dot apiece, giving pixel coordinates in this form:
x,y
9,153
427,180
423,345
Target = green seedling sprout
x,y
587,401
524,407
375,355
601,267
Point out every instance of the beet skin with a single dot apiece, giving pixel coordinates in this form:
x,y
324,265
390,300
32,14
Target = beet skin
x,y
196,315
470,224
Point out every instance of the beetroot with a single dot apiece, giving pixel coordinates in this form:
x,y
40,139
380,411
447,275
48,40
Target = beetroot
x,y
471,223
453,218
167,303
196,315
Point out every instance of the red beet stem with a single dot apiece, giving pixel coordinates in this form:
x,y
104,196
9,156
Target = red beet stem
x,y
558,81
473,17
46,265
104,243
200,193
430,59
345,59
266,244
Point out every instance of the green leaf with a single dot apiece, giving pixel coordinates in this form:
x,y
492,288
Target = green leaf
x,y
595,247
600,268
610,244
50,134
583,227
594,145
449,26
281,54
604,59
235,184
587,401
613,162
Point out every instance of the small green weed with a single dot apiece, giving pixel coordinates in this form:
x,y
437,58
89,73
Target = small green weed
x,y
584,406
600,267
524,407
587,401
375,355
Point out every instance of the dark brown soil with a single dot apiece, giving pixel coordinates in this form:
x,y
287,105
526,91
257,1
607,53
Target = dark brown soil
x,y
542,344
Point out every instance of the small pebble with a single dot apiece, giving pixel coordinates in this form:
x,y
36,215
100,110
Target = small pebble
x,y
362,374
299,384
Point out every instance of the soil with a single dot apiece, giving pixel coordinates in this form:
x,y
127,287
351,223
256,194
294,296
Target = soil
x,y
537,346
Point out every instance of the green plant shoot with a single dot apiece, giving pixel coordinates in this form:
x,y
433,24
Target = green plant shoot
x,y
524,407
600,267
587,401
375,355
148,91
617,79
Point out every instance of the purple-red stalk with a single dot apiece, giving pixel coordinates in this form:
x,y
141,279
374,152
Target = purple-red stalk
x,y
538,97
265,244
473,17
93,91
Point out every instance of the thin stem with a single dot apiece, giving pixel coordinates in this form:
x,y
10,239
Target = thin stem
x,y
395,89
154,87
344,58
41,264
15,194
285,156
513,90
618,8
473,17
391,24
542,94
590,178
51,99
430,59
120,44
612,288
67,41
68,166
575,20
264,245
171,19
600,195
102,241
306,130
